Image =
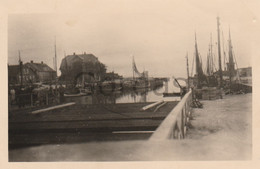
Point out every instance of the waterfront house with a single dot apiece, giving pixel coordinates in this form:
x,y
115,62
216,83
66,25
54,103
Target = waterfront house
x,y
43,72
31,73
14,75
81,68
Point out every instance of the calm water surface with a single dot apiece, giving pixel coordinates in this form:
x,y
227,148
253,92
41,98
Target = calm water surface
x,y
133,96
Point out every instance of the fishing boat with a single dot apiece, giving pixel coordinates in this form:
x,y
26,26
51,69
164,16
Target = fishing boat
x,y
233,79
200,79
214,83
207,86
141,84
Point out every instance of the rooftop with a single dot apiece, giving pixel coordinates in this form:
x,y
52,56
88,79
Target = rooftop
x,y
84,57
41,67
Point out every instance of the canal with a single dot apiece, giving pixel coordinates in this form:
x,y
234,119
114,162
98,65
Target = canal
x,y
96,118
130,96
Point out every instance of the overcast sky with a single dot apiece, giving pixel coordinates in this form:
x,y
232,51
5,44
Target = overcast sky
x,y
158,33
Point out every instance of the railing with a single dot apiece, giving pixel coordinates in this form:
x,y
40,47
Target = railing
x,y
33,99
174,126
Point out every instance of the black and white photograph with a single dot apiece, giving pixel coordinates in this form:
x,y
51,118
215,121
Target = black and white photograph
x,y
131,81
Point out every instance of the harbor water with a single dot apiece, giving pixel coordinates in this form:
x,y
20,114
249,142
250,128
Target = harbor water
x,y
130,96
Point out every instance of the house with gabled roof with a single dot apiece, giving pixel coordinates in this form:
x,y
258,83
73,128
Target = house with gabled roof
x,y
43,72
82,68
31,73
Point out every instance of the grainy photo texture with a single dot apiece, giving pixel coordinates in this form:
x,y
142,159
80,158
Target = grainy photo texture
x,y
131,81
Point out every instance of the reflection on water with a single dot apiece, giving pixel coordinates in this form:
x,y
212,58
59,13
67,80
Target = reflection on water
x,y
133,96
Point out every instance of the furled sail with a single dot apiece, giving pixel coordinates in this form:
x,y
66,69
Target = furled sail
x,y
199,71
135,70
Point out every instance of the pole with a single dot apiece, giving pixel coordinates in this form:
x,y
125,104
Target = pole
x,y
133,68
83,74
21,68
55,63
177,82
230,63
211,56
192,66
197,64
224,52
66,70
188,76
55,56
219,57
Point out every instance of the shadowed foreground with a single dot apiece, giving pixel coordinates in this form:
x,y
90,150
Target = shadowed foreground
x,y
222,130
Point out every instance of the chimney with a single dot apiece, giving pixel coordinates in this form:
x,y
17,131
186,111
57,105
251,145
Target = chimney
x,y
74,53
41,62
31,61
84,53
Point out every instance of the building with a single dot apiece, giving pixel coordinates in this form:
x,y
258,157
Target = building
x,y
245,75
43,72
15,76
31,73
245,72
81,68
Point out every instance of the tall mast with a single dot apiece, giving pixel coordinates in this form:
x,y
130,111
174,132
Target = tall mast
x,y
55,58
55,62
188,76
211,55
230,58
66,69
197,63
83,74
21,68
219,57
192,66
209,58
224,52
133,68
231,65
208,63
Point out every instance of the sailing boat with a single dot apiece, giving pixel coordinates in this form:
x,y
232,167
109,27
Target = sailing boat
x,y
233,75
205,85
142,80
200,77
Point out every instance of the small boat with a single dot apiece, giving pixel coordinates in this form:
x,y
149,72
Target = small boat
x,y
75,95
110,86
82,92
